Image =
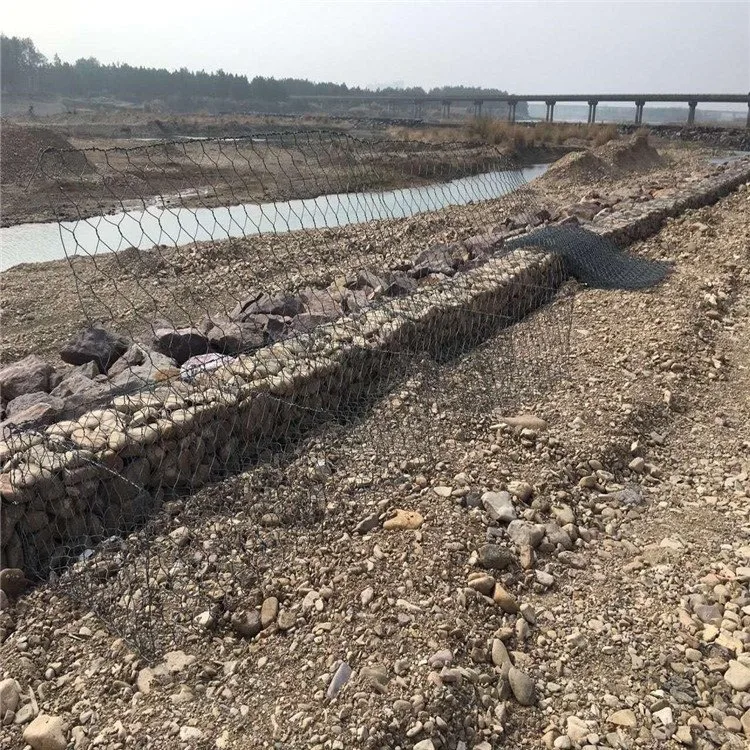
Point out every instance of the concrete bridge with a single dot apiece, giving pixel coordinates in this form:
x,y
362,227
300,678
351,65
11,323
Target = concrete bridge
x,y
550,100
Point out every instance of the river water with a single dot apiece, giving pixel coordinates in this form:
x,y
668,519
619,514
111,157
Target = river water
x,y
163,225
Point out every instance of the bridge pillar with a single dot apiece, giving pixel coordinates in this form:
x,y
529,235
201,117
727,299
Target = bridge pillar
x,y
639,105
691,112
478,108
446,109
511,111
592,111
550,115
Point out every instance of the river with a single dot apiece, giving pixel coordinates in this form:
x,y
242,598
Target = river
x,y
164,225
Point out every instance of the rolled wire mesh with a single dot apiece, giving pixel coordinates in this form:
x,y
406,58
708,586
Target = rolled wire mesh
x,y
250,305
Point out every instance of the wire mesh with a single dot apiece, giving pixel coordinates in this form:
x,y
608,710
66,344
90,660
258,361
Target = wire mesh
x,y
252,306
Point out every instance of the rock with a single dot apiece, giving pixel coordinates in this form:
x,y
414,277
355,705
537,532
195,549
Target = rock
x,y
46,733
543,578
495,557
180,343
76,389
522,686
684,735
404,520
190,735
202,364
483,584
737,676
286,620
623,718
54,405
500,655
375,677
13,581
499,506
29,375
505,600
444,259
745,721
234,338
524,421
281,305
340,677
522,490
94,345
247,623
269,610
10,695
638,465
427,744
576,729
139,355
34,407
324,305
525,534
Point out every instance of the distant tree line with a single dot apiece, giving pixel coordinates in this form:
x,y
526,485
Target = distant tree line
x,y
24,70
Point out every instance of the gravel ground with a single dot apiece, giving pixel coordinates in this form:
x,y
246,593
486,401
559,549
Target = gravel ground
x,y
363,590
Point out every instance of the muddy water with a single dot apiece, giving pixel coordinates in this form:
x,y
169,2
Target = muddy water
x,y
164,225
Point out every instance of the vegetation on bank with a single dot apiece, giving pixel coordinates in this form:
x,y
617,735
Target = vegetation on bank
x,y
25,70
512,135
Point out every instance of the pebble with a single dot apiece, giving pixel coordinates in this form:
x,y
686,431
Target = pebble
x,y
340,677
404,520
286,619
495,557
522,686
738,676
499,506
10,695
269,610
505,600
624,718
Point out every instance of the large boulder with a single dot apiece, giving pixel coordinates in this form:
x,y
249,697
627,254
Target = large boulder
x,y
180,343
29,375
324,304
235,337
94,345
138,355
76,389
265,304
445,259
54,405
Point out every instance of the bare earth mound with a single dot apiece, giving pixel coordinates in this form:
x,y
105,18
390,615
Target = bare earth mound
x,y
20,148
613,159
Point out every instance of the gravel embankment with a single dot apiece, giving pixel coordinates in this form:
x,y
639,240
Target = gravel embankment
x,y
617,564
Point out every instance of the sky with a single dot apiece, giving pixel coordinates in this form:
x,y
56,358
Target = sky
x,y
523,47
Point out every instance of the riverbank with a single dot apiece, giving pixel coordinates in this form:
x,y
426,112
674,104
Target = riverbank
x,y
617,512
127,291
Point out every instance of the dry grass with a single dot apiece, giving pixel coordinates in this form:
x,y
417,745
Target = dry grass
x,y
512,135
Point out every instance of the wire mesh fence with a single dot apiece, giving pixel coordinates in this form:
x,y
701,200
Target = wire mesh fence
x,y
252,307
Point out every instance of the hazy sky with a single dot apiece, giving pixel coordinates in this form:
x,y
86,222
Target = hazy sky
x,y
524,47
